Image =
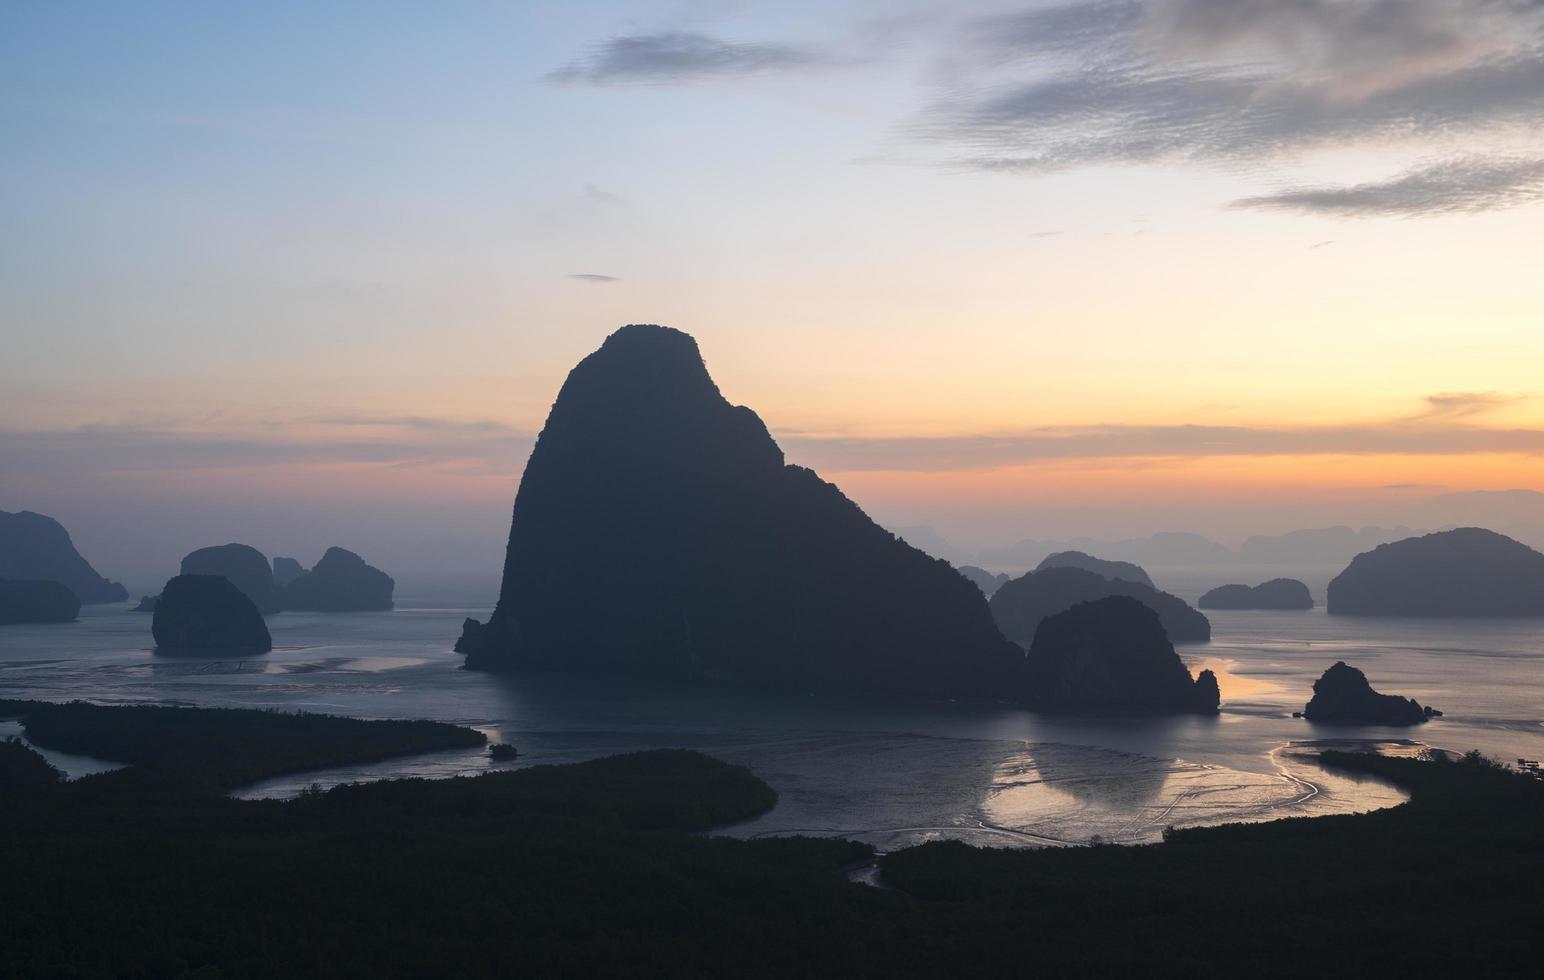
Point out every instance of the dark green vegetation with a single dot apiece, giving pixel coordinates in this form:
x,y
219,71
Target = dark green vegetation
x,y
595,870
221,748
1468,571
1112,655
207,614
36,601
21,768
659,531
1020,605
1449,883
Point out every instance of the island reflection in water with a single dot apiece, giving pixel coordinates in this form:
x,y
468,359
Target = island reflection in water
x,y
884,770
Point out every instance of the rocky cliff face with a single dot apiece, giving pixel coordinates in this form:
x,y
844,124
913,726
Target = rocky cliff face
x,y
207,614
1021,604
340,582
286,570
1123,570
1464,572
658,531
33,546
1278,593
1342,696
1112,655
36,601
243,565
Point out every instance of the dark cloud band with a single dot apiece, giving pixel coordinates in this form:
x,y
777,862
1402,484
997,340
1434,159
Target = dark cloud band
x,y
678,56
1454,187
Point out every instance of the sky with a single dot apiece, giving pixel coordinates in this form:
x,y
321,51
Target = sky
x,y
300,274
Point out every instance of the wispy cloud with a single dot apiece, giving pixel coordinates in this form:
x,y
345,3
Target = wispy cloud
x,y
407,441
675,56
412,422
1222,81
1461,404
599,195
1449,424
1149,442
1454,187
593,277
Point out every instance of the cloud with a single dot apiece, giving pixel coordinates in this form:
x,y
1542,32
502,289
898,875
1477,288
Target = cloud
x,y
1455,187
408,441
1221,81
490,446
1324,244
593,277
1438,431
1458,404
1414,486
418,422
677,56
599,195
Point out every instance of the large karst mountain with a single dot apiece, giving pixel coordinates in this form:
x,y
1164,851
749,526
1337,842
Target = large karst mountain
x,y
658,531
1468,571
34,546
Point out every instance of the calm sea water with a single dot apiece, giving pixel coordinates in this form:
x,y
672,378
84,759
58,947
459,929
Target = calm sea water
x,y
889,771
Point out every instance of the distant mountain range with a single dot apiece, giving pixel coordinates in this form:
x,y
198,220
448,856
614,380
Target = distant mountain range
x,y
1310,546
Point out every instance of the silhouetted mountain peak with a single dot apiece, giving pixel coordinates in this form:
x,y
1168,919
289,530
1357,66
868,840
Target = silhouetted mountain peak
x,y
341,582
646,391
1468,571
1019,605
1278,593
37,547
1342,695
243,565
1124,571
1112,654
657,530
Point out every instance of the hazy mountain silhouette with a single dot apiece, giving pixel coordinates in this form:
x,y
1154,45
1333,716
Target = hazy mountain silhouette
x,y
33,546
245,567
1112,654
340,582
1123,570
1464,572
285,571
1278,593
36,601
1318,546
929,541
987,582
207,614
658,531
1020,605
1164,548
1308,546
1342,696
